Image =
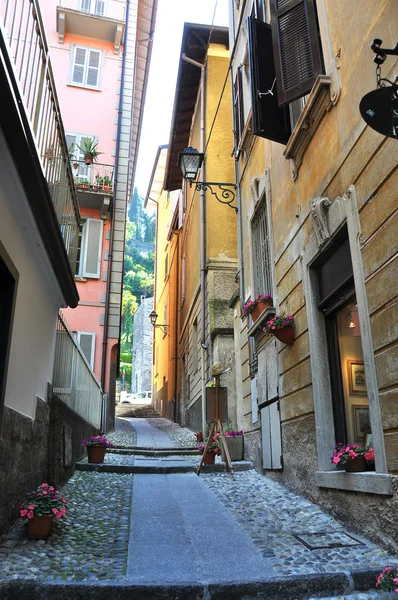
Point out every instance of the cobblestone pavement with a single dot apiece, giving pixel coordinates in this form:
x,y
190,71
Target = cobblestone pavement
x,y
291,532
91,543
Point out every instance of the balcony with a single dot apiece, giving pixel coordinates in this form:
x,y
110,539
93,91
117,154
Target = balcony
x,y
32,124
94,184
92,18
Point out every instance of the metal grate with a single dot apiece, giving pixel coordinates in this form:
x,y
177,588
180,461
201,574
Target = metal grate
x,y
261,256
295,47
323,540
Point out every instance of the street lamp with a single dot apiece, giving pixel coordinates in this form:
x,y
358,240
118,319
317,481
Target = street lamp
x,y
153,316
190,161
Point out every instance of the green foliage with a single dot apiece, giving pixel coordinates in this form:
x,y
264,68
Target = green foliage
x,y
126,357
139,265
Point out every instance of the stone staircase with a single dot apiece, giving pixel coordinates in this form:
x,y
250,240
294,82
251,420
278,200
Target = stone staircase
x,y
141,411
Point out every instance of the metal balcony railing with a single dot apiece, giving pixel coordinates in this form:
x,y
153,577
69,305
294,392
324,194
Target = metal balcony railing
x,y
96,177
22,27
73,380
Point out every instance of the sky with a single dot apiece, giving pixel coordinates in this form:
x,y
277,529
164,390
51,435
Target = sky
x,y
171,16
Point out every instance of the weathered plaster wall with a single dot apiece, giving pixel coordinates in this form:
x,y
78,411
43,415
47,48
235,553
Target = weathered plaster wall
x,y
141,377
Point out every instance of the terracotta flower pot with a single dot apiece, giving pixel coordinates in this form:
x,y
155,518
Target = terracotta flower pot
x,y
259,308
356,465
39,527
199,436
209,458
96,454
88,160
284,334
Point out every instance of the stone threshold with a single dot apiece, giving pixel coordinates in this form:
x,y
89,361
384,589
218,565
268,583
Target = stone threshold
x,y
292,587
161,469
152,452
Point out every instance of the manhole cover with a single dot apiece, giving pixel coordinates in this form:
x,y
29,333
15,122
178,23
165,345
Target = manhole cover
x,y
317,541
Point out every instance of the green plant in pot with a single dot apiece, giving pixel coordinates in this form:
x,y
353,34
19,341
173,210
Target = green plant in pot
x,y
89,149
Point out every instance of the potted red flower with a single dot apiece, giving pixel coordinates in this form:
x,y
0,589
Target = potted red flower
x,y
281,326
212,451
96,448
349,456
257,306
40,508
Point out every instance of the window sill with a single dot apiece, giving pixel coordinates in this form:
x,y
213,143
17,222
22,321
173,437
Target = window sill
x,y
319,102
369,482
256,329
84,87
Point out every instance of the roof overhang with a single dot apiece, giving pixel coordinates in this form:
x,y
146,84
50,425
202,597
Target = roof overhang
x,y
195,41
85,24
156,181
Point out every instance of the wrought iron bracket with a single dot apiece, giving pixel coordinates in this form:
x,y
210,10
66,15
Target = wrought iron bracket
x,y
164,328
381,53
227,191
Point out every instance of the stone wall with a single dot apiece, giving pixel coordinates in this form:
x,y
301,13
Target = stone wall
x,y
141,377
36,450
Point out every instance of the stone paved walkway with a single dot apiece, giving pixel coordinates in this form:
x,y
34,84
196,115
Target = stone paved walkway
x,y
179,528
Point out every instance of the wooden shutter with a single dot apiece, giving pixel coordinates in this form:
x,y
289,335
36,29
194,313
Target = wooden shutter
x,y
86,341
238,108
269,120
78,65
92,248
297,47
93,68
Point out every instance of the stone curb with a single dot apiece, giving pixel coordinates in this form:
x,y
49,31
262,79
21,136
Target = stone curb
x,y
297,587
152,469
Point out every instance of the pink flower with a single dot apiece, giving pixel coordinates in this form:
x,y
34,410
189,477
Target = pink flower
x,y
43,485
23,513
51,489
30,514
336,460
31,507
54,510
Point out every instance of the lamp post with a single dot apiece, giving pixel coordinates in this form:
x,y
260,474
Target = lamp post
x,y
190,161
153,316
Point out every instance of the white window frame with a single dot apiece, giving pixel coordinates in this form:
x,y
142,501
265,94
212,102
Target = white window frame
x,y
92,334
92,10
82,172
83,252
84,84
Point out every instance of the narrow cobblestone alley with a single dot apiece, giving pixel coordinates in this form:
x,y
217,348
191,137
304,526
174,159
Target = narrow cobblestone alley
x,y
144,525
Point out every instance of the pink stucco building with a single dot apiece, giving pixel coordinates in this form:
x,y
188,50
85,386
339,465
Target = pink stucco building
x,y
100,74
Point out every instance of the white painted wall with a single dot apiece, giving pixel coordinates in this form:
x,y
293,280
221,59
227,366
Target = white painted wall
x,y
38,295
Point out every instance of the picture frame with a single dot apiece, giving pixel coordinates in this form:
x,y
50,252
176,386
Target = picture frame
x,y
356,378
361,421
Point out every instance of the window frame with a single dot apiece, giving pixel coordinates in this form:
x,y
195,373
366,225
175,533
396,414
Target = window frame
x,y
84,84
93,3
93,336
83,252
260,213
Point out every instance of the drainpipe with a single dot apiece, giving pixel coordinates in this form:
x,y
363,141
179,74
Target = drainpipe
x,y
108,283
176,332
203,345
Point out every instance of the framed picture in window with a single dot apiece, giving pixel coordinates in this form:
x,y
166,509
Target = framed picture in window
x,y
361,420
356,378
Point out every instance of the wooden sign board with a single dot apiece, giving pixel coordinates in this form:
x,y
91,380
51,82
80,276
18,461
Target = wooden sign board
x,y
211,403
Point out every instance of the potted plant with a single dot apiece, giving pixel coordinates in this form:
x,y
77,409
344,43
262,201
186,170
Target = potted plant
x,y
349,456
40,508
96,448
370,459
257,306
107,183
388,581
234,441
281,326
89,150
212,450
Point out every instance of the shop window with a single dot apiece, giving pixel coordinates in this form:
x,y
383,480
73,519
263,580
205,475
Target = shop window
x,y
337,300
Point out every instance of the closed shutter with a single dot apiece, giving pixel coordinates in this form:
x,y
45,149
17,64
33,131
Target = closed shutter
x,y
297,47
92,248
93,68
86,341
78,66
269,121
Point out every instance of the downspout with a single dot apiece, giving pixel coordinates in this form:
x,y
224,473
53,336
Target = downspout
x,y
203,345
108,283
176,332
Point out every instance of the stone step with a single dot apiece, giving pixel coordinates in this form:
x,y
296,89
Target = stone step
x,y
136,450
161,468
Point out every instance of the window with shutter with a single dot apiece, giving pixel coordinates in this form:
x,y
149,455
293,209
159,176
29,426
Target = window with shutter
x,y
92,243
297,47
261,251
86,67
268,119
86,341
82,172
96,7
